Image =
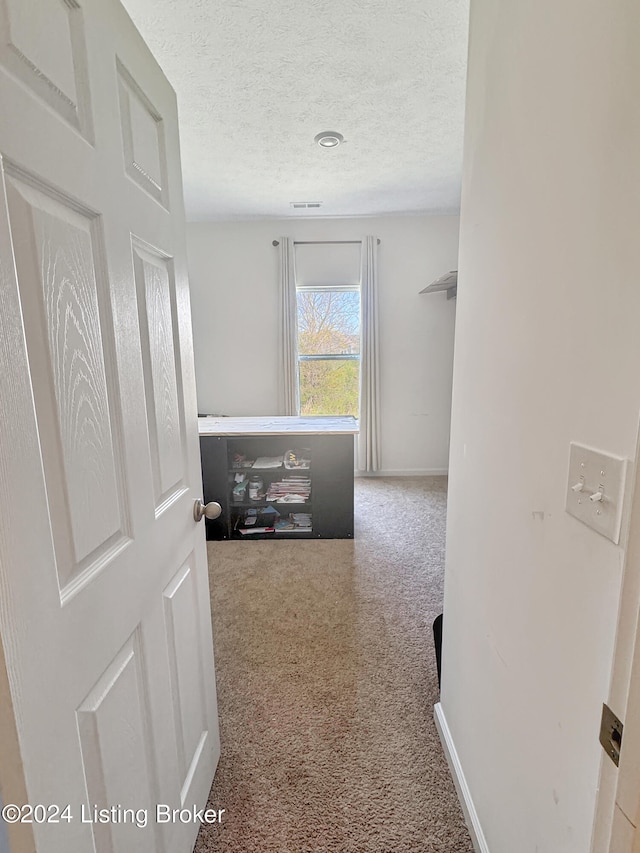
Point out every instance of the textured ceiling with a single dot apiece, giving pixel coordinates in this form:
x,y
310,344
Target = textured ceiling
x,y
256,80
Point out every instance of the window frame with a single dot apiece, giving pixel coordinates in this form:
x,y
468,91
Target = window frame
x,y
327,288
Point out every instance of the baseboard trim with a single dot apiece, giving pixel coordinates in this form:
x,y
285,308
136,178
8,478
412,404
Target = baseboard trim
x,y
405,472
464,794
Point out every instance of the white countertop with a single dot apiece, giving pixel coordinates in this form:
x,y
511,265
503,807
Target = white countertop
x,y
278,426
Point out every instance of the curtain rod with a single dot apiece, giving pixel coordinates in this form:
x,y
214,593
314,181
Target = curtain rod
x,y
319,242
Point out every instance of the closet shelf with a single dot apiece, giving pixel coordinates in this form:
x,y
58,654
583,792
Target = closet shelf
x,y
447,282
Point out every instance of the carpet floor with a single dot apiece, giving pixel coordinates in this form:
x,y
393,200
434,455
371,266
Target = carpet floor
x,y
326,685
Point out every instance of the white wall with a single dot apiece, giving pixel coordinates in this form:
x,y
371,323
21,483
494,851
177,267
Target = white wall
x,y
234,294
547,351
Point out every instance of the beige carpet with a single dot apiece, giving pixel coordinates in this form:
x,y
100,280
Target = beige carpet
x,y
326,686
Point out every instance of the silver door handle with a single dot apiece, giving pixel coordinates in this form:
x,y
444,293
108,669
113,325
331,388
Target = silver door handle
x,y
211,510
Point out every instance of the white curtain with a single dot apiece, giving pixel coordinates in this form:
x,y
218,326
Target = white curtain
x,y
369,437
288,335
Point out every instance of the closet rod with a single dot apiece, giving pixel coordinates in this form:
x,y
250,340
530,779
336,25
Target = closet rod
x,y
318,242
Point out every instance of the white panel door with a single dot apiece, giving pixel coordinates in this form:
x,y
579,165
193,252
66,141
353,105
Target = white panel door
x,y
104,597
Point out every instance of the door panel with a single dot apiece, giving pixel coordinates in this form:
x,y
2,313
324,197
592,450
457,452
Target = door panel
x,y
104,599
115,712
180,602
154,284
50,58
55,256
142,137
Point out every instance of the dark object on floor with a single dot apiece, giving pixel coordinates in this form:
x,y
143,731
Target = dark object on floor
x,y
437,641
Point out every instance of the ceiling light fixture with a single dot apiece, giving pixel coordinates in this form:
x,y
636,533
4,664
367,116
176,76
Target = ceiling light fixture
x,y
329,139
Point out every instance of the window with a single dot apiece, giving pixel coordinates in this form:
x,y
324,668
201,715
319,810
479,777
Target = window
x,y
329,349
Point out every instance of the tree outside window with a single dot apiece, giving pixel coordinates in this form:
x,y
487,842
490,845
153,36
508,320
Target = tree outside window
x,y
329,350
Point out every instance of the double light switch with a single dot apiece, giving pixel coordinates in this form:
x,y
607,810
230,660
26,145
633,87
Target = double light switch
x,y
595,491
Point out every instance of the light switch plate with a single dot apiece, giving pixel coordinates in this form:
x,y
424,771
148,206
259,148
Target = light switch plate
x,y
592,472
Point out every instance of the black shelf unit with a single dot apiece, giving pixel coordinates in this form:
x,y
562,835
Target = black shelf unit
x,y
331,473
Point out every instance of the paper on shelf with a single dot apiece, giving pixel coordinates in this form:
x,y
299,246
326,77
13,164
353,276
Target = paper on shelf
x,y
268,462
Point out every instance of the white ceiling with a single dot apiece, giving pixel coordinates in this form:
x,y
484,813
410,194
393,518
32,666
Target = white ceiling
x,y
256,80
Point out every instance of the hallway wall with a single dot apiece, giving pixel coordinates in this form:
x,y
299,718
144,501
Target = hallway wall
x,y
547,352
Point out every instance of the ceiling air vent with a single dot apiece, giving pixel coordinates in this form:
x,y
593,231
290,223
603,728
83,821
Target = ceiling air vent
x,y
305,205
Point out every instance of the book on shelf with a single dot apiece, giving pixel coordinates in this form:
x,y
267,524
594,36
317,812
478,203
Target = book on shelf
x,y
269,520
295,522
247,531
291,489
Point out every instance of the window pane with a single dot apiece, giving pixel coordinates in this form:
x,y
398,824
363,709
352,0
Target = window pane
x,y
329,387
328,322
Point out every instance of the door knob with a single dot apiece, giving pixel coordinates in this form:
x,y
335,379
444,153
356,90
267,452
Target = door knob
x,y
211,510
